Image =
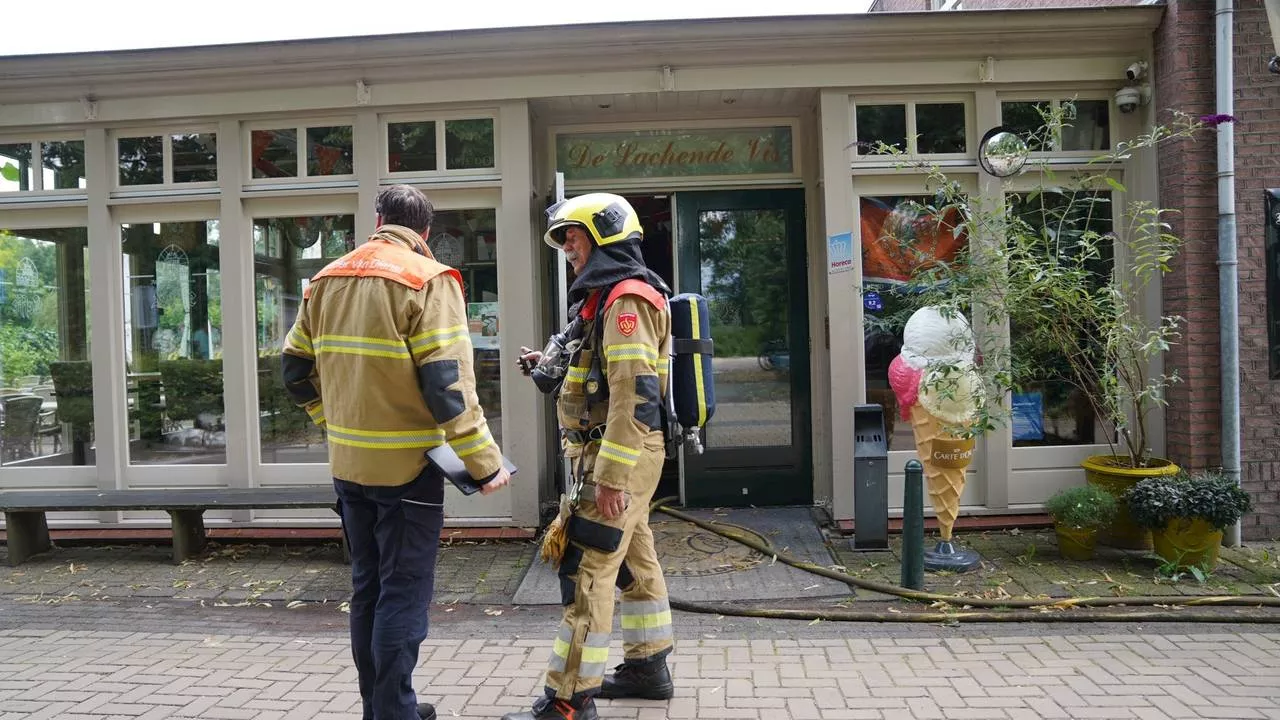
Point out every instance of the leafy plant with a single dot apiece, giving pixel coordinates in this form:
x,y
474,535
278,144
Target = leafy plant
x,y
1085,506
1209,496
1175,569
1043,264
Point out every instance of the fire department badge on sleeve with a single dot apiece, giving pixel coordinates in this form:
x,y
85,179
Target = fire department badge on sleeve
x,y
627,323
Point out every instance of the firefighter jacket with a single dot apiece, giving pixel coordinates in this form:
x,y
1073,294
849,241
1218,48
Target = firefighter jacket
x,y
380,356
633,351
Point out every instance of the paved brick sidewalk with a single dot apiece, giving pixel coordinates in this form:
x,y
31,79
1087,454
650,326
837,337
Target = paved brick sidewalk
x,y
103,661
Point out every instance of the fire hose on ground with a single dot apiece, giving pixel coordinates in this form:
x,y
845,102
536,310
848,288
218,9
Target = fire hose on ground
x,y
956,608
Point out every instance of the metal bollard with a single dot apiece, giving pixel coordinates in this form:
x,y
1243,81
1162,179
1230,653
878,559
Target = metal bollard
x,y
913,527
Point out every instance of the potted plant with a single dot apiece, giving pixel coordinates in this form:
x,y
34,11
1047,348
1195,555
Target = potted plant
x,y
1078,513
1186,514
1051,304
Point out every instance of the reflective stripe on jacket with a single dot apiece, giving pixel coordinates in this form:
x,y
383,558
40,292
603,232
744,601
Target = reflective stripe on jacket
x,y
380,356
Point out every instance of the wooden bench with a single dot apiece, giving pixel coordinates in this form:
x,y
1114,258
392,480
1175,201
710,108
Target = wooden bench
x,y
28,531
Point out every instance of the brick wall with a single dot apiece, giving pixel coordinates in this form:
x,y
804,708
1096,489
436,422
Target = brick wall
x,y
919,5
1184,75
899,5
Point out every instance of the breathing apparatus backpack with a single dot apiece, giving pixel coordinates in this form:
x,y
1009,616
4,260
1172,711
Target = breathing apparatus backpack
x,y
691,387
691,394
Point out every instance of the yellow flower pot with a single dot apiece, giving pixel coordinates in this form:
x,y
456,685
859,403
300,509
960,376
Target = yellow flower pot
x,y
1188,542
1111,473
1076,543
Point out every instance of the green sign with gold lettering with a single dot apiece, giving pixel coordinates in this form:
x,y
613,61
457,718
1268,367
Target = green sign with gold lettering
x,y
675,153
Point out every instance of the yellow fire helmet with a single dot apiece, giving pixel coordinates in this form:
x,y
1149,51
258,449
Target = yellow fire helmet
x,y
608,218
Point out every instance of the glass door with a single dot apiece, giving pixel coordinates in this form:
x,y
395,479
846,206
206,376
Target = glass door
x,y
745,252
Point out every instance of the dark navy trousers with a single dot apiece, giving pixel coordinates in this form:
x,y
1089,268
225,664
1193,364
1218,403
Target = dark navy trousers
x,y
392,534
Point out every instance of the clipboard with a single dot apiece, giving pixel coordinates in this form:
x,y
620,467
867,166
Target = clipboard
x,y
443,461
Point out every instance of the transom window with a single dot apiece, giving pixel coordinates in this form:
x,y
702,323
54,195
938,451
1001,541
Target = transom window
x,y
917,127
1086,123
166,158
301,150
42,165
416,146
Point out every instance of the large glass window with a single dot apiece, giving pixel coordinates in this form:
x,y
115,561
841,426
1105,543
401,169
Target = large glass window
x,y
173,343
467,240
1048,406
287,252
46,404
900,236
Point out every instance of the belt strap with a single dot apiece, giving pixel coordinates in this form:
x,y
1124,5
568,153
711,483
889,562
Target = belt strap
x,y
582,437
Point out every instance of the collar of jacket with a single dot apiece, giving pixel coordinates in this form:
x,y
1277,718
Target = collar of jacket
x,y
404,237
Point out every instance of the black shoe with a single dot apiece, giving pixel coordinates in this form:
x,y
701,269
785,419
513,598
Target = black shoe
x,y
644,680
546,708
426,711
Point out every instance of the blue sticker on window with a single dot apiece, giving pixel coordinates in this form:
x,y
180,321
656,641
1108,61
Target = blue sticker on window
x,y
871,301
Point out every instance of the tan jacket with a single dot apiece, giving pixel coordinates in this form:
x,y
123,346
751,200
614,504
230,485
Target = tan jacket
x,y
636,351
380,356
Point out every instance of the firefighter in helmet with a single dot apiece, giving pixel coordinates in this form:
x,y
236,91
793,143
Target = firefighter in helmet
x,y
610,410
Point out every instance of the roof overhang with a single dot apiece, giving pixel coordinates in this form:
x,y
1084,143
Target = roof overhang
x,y
569,49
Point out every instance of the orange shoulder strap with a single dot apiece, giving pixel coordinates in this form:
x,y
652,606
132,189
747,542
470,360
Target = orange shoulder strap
x,y
634,286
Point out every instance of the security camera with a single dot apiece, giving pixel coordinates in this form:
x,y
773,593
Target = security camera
x,y
1136,71
1128,98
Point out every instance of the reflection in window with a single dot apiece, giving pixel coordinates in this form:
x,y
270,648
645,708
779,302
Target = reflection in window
x,y
468,144
16,171
274,153
46,403
467,240
141,160
173,343
195,157
901,236
1086,124
745,280
881,123
940,128
63,164
287,252
411,147
1048,407
329,150
1027,120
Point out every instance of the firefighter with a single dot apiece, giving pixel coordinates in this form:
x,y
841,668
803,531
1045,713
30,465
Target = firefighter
x,y
610,413
380,357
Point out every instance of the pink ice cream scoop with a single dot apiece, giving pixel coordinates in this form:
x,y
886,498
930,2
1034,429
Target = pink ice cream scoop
x,y
905,381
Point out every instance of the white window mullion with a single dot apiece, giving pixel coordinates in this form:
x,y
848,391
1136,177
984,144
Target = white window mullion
x,y
913,149
440,162
166,145
37,166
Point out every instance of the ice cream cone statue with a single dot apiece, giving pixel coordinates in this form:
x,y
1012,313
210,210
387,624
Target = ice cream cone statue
x,y
938,389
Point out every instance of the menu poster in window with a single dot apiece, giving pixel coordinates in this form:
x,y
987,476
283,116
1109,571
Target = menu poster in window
x,y
899,238
482,318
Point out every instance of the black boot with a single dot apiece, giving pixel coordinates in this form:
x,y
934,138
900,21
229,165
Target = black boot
x,y
426,711
646,680
546,708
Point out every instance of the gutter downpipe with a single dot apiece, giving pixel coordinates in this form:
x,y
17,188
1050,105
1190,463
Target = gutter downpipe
x,y
1228,287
